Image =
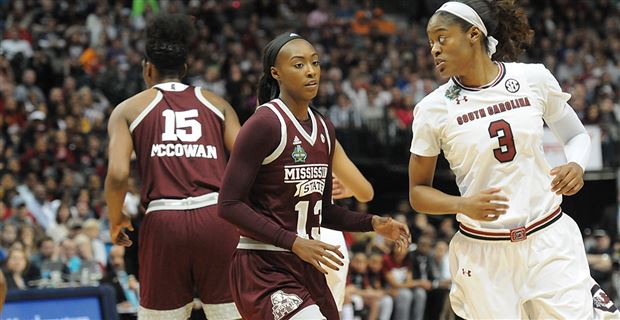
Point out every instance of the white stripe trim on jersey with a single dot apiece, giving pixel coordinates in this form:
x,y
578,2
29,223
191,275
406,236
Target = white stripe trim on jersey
x,y
201,98
310,138
178,313
251,244
190,203
171,86
278,151
311,312
221,311
329,141
146,111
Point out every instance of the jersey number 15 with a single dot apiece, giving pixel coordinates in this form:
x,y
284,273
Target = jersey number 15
x,y
177,124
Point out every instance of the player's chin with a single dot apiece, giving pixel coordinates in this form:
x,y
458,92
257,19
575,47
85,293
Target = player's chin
x,y
311,92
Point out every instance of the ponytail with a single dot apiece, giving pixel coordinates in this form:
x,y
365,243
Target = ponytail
x,y
268,89
513,31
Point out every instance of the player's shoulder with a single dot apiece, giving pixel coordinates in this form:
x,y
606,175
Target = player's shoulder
x,y
145,96
217,101
129,107
266,113
436,100
534,72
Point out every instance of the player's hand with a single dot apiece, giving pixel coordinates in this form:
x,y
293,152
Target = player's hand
x,y
487,205
318,253
117,232
392,230
568,179
339,190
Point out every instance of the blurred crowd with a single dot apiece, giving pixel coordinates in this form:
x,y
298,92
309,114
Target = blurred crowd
x,y
65,64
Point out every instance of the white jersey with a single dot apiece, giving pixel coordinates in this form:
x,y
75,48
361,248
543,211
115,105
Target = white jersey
x,y
492,137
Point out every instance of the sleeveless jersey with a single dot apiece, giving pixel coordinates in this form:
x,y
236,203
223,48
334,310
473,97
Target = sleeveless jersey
x,y
290,182
178,144
492,137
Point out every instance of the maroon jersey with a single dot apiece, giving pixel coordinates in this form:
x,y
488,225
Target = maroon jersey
x,y
179,145
290,183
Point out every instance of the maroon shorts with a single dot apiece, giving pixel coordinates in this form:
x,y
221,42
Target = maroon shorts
x,y
276,285
182,252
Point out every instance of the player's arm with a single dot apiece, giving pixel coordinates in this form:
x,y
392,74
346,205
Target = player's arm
x,y
116,183
3,290
565,124
231,120
351,182
568,178
340,218
256,140
487,205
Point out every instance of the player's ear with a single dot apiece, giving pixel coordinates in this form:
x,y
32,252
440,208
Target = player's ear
x,y
274,73
474,34
183,72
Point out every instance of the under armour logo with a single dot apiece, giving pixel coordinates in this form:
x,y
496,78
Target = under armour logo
x,y
458,99
466,272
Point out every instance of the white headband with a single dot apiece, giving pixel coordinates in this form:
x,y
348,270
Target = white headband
x,y
468,14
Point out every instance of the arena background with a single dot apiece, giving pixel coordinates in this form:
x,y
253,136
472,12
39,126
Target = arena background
x,y
64,65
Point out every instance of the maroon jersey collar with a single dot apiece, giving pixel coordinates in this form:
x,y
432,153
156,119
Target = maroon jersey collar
x,y
311,138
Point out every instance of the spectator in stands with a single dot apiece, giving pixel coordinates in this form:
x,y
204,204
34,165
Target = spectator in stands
x,y
438,302
422,274
125,285
7,238
378,281
361,294
16,271
397,266
600,259
47,252
69,256
91,230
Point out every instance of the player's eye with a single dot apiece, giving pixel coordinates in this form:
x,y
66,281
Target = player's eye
x,y
442,39
316,63
299,65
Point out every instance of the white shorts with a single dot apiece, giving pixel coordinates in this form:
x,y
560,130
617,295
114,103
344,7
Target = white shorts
x,y
337,280
545,276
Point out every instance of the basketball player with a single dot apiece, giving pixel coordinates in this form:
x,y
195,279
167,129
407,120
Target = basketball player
x,y
277,190
348,182
180,135
517,256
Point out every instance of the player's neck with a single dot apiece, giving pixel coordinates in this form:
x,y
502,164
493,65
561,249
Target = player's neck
x,y
167,79
298,108
480,73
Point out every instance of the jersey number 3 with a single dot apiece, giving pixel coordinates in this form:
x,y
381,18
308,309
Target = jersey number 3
x,y
506,151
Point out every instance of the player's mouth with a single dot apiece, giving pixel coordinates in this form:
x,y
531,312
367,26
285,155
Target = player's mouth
x,y
312,84
440,64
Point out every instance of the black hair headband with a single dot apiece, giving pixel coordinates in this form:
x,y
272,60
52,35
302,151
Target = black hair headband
x,y
271,52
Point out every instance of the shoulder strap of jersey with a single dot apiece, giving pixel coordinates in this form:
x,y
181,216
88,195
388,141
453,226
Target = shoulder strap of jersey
x,y
278,151
207,103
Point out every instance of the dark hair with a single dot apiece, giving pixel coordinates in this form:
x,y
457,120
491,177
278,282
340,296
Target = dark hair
x,y
505,21
168,37
268,88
